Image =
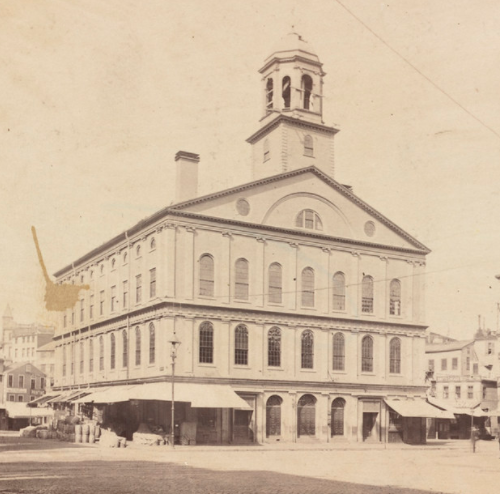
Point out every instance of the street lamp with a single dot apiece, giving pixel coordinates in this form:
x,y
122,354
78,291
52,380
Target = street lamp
x,y
173,354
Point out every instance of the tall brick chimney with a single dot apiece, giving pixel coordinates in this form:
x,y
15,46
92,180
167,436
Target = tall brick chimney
x,y
186,176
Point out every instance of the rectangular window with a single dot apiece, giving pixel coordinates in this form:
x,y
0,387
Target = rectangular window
x,y
81,310
21,381
152,283
467,363
91,308
470,392
65,321
431,365
73,317
101,302
458,392
12,398
20,398
475,369
484,392
454,364
444,364
125,294
33,383
42,382
138,288
445,392
113,298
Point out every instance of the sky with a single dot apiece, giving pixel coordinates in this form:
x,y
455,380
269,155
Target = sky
x,y
97,97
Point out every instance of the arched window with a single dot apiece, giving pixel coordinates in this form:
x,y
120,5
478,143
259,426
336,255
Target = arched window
x,y
275,283
113,263
101,268
269,94
309,219
286,91
241,345
152,343
307,287
81,357
125,256
267,152
395,298
125,348
338,406
241,280
308,146
113,351
338,352
273,416
137,345
206,343
91,355
307,350
101,353
138,250
274,347
306,86
206,275
367,295
395,356
306,416
339,291
152,244
367,354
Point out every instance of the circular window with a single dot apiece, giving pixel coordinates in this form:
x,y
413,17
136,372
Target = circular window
x,y
370,228
242,207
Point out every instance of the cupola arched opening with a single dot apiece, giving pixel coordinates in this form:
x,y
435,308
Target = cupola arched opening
x,y
306,86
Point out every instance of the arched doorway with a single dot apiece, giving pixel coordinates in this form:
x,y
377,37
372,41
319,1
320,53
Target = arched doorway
x,y
338,406
306,416
273,416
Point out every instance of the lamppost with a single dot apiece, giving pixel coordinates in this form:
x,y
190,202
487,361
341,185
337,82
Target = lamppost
x,y
173,354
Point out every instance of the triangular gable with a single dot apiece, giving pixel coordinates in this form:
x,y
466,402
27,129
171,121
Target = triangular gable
x,y
272,204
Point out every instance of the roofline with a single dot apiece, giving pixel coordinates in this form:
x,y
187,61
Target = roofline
x,y
294,121
174,210
292,58
429,349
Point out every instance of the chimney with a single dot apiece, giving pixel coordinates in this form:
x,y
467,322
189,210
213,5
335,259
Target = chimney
x,y
186,176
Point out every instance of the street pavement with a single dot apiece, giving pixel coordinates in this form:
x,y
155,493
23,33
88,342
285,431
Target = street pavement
x,y
49,466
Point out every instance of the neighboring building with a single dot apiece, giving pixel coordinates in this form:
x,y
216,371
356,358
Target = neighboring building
x,y
299,307
19,342
45,361
460,384
435,338
20,382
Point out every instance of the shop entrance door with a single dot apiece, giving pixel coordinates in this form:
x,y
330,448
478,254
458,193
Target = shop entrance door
x,y
242,433
369,426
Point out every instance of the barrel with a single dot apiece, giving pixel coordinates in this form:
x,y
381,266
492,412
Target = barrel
x,y
78,429
85,429
92,429
91,438
85,438
78,438
97,431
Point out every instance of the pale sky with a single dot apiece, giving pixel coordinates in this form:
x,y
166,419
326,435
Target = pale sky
x,y
97,97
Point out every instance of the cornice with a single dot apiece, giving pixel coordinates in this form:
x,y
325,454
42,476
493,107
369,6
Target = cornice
x,y
325,322
292,121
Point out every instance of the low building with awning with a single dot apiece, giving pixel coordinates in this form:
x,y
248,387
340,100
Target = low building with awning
x,y
21,415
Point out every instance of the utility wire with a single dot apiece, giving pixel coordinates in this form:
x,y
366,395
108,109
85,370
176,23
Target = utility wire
x,y
416,69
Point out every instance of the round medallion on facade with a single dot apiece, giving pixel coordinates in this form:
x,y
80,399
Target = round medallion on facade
x,y
370,228
242,207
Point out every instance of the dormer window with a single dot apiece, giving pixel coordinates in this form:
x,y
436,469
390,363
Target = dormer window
x,y
306,86
286,92
269,94
309,219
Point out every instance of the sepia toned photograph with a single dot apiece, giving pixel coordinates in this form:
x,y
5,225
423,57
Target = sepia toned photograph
x,y
249,247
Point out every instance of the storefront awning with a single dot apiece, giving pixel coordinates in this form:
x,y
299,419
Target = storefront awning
x,y
199,395
22,411
418,408
463,408
42,400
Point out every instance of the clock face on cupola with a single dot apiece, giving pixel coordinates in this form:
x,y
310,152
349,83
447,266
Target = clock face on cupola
x,y
292,134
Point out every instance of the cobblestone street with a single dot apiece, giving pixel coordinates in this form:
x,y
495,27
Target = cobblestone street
x,y
35,466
